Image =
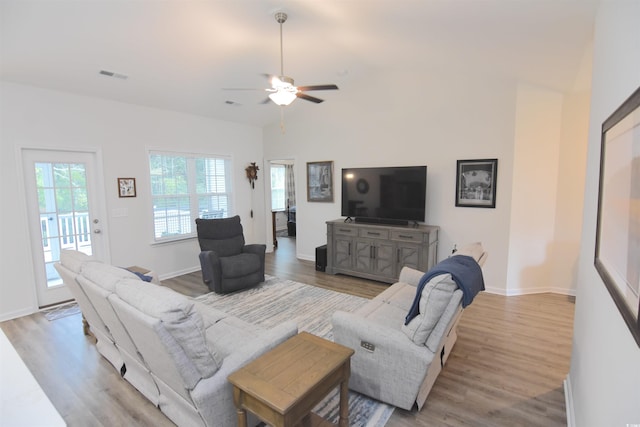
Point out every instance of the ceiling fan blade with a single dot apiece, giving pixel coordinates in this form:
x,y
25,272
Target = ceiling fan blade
x,y
265,101
309,98
317,87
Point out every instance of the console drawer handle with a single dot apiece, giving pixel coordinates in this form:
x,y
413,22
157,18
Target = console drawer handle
x,y
402,236
371,233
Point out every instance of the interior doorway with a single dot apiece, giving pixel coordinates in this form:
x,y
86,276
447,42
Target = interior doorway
x,y
283,200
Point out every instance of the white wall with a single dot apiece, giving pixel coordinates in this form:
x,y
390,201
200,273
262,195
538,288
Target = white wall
x,y
535,186
605,363
34,117
565,246
446,116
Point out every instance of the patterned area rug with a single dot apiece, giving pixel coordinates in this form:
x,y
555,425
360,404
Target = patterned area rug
x,y
275,301
62,310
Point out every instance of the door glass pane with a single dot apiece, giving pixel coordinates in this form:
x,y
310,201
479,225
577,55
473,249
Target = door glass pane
x,y
64,212
61,175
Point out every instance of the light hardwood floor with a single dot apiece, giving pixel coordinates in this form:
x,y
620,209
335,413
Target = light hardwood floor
x,y
506,369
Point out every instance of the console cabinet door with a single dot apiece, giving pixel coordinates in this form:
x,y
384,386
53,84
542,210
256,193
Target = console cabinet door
x,y
375,257
364,256
384,257
342,252
409,255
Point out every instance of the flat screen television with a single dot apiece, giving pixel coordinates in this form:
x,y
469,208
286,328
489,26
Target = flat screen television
x,y
388,195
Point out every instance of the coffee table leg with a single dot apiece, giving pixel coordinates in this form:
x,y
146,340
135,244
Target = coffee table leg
x,y
344,404
242,418
242,414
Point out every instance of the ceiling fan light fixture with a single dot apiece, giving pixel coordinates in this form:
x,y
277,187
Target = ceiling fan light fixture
x,y
283,96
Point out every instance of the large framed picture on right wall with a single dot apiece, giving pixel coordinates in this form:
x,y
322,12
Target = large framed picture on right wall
x,y
476,183
617,256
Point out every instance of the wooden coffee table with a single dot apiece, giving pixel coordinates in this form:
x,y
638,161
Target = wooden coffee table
x,y
283,385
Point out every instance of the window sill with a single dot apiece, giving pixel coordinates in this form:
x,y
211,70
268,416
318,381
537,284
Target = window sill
x,y
169,240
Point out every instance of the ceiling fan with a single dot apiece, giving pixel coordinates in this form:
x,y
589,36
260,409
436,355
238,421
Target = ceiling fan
x,y
282,90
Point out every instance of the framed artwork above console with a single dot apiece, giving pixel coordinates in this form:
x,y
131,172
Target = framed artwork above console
x,y
320,181
476,183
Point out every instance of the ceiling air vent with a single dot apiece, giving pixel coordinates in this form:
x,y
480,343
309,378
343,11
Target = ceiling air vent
x,y
114,75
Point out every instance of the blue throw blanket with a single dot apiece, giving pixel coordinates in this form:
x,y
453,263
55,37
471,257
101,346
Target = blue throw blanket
x,y
465,272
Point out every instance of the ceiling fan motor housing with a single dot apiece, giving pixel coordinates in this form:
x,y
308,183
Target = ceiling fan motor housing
x,y
281,17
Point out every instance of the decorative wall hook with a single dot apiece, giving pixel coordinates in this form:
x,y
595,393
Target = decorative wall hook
x,y
252,173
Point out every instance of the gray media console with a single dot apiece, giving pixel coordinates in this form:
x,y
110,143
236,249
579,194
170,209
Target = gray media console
x,y
378,252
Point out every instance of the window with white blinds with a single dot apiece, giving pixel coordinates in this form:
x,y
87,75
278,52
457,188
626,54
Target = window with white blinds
x,y
185,187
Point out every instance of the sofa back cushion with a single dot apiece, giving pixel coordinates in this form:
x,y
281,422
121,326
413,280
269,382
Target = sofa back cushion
x,y
442,326
434,299
74,260
104,275
224,236
180,328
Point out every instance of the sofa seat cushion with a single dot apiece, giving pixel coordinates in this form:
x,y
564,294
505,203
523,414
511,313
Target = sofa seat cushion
x,y
382,313
225,336
434,299
399,295
181,327
239,265
223,332
104,275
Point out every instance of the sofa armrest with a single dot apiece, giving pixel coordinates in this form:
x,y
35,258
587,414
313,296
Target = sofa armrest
x,y
214,396
392,359
350,329
258,249
410,276
269,339
210,265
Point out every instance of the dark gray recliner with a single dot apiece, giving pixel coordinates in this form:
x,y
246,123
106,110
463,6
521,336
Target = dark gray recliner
x,y
228,265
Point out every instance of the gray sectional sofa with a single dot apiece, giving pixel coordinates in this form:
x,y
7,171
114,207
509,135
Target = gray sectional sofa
x,y
398,363
176,351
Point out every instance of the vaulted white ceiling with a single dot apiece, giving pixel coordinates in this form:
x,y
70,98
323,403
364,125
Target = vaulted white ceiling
x,y
180,54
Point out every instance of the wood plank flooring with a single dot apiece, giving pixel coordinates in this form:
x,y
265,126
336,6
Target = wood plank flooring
x,y
506,369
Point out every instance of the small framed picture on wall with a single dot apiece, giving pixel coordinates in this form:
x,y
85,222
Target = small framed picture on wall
x,y
476,183
126,187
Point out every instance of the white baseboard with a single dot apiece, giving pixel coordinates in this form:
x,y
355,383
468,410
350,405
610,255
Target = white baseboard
x,y
307,257
568,402
516,292
179,273
18,313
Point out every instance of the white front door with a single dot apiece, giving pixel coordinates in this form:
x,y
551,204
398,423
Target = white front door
x,y
62,207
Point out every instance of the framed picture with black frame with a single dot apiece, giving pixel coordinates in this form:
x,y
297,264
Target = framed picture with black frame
x,y
476,183
617,254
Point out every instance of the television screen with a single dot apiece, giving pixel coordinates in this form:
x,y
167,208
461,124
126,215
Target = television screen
x,y
384,193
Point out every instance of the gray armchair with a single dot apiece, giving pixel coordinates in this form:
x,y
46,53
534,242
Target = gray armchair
x,y
228,265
